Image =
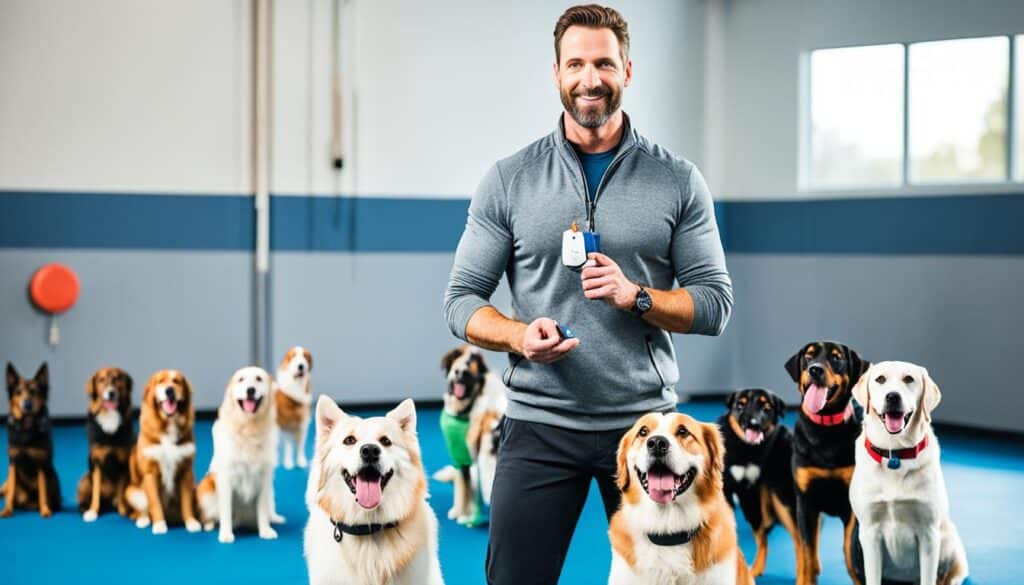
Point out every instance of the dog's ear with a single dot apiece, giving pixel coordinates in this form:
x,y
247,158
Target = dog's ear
x,y
127,382
857,365
405,415
449,358
42,378
793,365
716,451
479,359
622,461
328,414
861,392
12,379
90,386
778,404
147,394
309,359
930,394
731,399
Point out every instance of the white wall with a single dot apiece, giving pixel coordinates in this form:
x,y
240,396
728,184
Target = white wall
x,y
124,95
756,45
437,91
150,96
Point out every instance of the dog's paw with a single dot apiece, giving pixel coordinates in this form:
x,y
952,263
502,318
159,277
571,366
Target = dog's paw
x,y
288,465
453,513
90,516
208,527
5,513
277,519
193,525
268,533
160,527
303,463
46,512
226,537
142,522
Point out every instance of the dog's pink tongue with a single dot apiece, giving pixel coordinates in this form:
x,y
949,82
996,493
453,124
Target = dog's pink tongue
x,y
894,422
170,407
367,492
661,487
815,398
459,390
249,405
110,404
753,436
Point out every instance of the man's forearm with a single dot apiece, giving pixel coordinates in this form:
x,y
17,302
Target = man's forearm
x,y
489,329
671,310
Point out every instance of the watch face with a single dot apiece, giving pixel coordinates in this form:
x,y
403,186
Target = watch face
x,y
643,300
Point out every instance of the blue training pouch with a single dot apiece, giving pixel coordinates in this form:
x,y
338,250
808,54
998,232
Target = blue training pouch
x,y
592,241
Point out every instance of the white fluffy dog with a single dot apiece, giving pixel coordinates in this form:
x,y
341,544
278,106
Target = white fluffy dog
x,y
369,522
238,490
897,491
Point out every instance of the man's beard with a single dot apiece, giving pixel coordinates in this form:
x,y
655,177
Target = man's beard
x,y
592,116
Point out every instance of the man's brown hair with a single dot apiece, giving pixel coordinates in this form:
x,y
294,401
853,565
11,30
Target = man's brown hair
x,y
593,16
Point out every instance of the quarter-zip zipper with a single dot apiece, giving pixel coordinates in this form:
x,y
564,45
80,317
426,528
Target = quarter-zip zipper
x,y
592,204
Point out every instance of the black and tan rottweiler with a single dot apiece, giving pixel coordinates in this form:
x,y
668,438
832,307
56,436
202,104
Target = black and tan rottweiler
x,y
823,446
31,479
111,439
758,473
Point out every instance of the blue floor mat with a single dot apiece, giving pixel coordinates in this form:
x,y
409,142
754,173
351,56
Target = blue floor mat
x,y
985,479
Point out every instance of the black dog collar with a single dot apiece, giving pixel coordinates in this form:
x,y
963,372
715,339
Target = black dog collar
x,y
674,538
358,529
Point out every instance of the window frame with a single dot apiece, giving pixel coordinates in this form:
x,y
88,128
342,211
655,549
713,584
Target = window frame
x,y
1011,182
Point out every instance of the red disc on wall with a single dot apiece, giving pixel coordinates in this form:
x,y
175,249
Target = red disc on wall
x,y
54,288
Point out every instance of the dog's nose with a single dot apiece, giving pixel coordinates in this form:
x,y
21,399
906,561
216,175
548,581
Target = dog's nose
x,y
26,405
369,453
816,371
892,398
657,446
755,422
169,392
250,392
109,395
302,367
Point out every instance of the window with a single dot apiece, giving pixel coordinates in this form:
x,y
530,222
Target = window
x,y
915,114
1018,107
856,117
958,92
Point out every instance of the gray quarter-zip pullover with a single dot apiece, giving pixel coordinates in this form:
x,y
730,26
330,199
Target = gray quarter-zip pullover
x,y
657,221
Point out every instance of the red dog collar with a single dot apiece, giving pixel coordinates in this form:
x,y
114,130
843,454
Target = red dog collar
x,y
894,455
831,420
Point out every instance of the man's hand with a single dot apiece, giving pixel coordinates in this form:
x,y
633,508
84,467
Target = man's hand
x,y
603,279
542,344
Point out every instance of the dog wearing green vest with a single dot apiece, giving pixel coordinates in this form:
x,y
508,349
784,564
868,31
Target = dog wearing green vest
x,y
474,402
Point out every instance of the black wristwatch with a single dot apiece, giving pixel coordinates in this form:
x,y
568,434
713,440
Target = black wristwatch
x,y
642,303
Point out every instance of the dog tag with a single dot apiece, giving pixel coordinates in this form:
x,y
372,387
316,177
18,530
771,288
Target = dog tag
x,y
337,533
894,463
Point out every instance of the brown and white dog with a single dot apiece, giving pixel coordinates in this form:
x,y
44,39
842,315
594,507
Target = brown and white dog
x,y
674,525
238,490
292,399
369,522
162,482
474,402
897,491
111,434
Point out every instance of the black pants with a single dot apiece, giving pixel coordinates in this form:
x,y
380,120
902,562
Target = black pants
x,y
540,487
